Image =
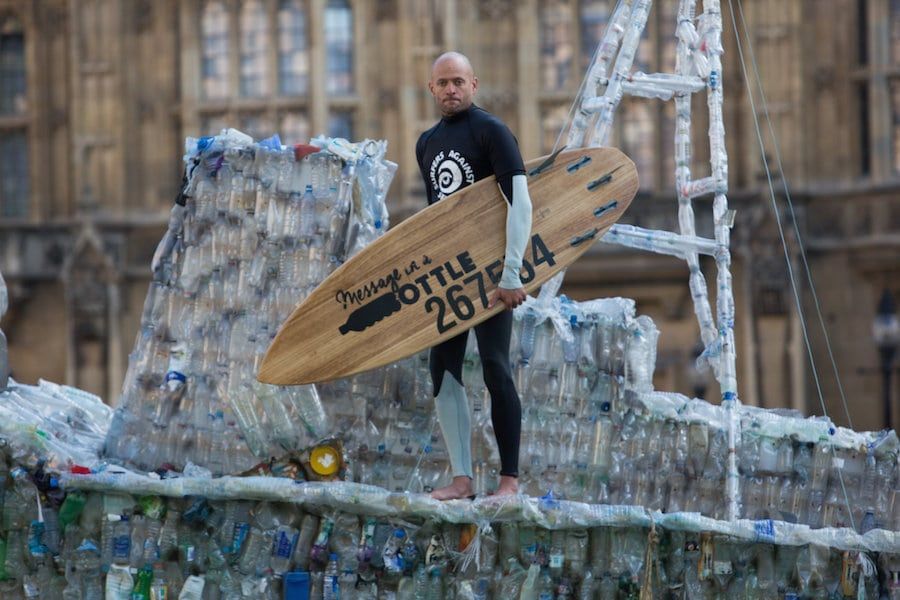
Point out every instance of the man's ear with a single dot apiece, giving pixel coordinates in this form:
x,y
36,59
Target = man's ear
x,y
474,84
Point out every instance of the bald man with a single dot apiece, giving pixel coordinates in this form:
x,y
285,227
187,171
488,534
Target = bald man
x,y
466,145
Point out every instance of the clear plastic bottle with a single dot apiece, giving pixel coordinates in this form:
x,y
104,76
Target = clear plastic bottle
x,y
159,586
436,585
168,534
19,501
331,586
545,586
253,546
391,555
51,529
150,550
319,553
87,563
307,214
308,527
283,544
420,584
119,583
347,584
557,557
192,588
15,560
121,541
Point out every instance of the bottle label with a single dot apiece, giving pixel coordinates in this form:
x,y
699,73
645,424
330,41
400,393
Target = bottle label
x,y
765,530
556,561
121,546
722,567
240,534
284,544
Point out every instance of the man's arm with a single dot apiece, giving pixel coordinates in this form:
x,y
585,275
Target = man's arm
x,y
420,158
506,161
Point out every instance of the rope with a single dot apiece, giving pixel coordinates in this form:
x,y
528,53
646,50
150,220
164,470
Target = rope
x,y
777,215
790,204
651,564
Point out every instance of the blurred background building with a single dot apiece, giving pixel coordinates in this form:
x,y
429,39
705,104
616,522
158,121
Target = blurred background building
x,y
97,96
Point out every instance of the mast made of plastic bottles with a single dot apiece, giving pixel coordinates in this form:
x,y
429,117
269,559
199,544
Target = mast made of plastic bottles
x,y
698,68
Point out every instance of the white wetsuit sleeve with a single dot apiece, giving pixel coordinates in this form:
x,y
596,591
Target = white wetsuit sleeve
x,y
518,232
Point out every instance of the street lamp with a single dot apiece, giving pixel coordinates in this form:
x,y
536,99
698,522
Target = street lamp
x,y
886,331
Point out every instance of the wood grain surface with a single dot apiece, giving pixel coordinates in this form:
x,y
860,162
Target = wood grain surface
x,y
429,278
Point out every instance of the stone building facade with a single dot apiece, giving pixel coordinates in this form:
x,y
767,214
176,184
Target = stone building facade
x,y
96,97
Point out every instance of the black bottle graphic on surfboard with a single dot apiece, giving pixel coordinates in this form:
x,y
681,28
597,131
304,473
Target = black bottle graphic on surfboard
x,y
367,315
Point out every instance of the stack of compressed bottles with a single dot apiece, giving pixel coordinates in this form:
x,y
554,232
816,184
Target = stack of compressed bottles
x,y
142,546
262,224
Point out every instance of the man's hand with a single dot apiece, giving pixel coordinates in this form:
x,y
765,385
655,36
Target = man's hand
x,y
511,298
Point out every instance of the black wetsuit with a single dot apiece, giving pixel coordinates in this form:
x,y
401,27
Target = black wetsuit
x,y
457,152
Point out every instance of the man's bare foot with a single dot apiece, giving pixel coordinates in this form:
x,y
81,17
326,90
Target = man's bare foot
x,y
461,487
509,486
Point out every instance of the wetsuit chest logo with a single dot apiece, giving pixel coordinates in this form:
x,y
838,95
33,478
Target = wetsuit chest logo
x,y
449,171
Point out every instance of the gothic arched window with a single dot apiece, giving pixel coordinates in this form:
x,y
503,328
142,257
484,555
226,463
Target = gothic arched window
x,y
214,42
14,175
339,47
293,48
254,49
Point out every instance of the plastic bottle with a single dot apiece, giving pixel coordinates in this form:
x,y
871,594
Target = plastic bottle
x,y
168,534
159,586
420,587
138,536
530,587
411,555
192,588
253,546
347,584
37,550
302,550
87,563
15,562
119,583
331,587
307,214
142,584
545,586
150,551
366,549
239,531
391,556
318,553
71,509
283,544
51,529
121,541
19,500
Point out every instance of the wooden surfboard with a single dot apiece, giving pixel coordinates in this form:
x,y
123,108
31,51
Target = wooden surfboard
x,y
430,278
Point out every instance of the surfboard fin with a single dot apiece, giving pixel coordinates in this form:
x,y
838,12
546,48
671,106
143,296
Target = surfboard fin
x,y
577,164
602,180
587,235
608,206
547,163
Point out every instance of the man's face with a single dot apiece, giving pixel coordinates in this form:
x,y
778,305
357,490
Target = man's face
x,y
453,86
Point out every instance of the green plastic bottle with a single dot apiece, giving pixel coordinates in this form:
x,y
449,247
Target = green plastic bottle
x,y
3,575
71,509
142,583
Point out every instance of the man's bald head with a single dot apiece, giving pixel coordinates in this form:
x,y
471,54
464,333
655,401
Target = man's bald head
x,y
458,57
453,83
